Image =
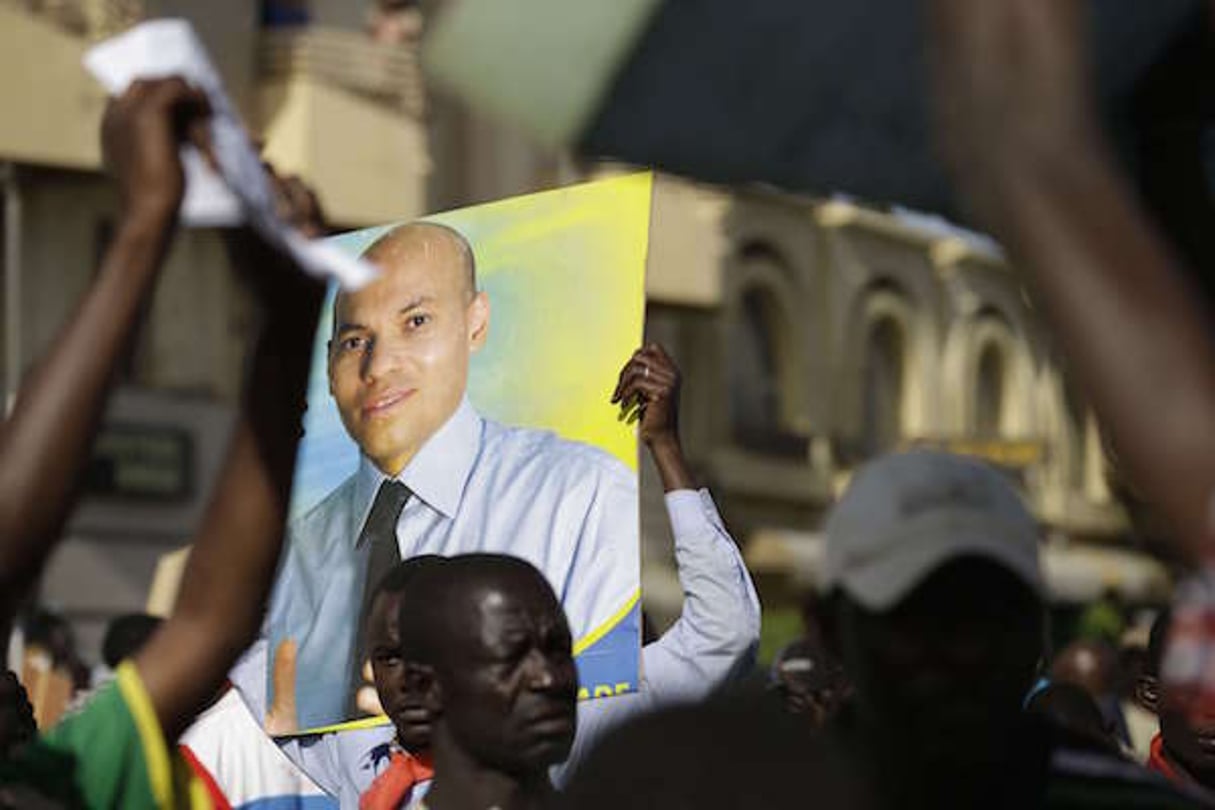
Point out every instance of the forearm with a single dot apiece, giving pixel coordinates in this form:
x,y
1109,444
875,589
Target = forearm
x,y
1136,335
231,569
667,452
44,445
718,625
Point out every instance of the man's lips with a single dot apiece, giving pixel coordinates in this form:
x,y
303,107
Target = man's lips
x,y
414,715
386,401
556,719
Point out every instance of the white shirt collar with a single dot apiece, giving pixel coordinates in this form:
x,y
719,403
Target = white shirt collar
x,y
439,471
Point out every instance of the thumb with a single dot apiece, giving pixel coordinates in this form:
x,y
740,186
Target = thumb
x,y
281,717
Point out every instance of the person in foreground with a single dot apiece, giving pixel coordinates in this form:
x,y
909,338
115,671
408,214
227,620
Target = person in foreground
x,y
937,613
1019,125
489,651
732,751
115,751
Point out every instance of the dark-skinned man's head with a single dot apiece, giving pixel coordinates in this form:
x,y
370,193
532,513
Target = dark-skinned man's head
x,y
486,642
400,695
932,567
1187,741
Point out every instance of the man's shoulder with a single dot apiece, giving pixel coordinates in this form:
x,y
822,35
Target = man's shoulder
x,y
336,506
546,451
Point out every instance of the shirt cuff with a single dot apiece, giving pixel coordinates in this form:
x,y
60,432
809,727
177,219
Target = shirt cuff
x,y
691,512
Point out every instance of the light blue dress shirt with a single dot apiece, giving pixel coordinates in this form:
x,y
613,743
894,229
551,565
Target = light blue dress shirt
x,y
478,486
714,638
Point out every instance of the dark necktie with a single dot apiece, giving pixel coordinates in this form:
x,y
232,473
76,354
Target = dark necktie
x,y
383,554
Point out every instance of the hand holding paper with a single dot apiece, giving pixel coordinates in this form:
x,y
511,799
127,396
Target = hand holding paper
x,y
241,192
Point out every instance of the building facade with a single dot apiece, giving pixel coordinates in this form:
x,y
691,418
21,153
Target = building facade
x,y
840,332
812,335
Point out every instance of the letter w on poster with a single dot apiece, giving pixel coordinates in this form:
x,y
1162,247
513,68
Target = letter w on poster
x,y
505,431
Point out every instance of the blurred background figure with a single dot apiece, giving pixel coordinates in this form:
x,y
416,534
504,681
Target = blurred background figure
x,y
1141,722
810,681
51,668
938,603
1094,667
49,634
125,635
1073,710
1184,748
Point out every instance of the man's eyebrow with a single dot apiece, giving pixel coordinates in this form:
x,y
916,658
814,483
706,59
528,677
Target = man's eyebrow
x,y
414,304
346,326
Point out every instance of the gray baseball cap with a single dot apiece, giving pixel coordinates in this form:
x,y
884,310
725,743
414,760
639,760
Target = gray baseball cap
x,y
905,515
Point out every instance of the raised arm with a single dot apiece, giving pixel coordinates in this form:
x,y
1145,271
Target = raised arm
x,y
231,568
1018,124
45,442
718,627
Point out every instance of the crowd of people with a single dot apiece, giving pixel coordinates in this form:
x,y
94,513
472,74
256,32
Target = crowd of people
x,y
929,678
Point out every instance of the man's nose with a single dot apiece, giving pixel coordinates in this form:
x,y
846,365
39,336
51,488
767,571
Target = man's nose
x,y
545,674
540,675
379,360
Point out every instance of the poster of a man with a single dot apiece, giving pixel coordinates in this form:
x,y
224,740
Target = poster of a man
x,y
456,441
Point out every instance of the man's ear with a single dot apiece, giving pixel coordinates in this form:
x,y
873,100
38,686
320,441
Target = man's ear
x,y
1147,693
478,320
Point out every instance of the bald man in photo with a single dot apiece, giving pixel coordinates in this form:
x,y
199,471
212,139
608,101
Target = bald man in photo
x,y
434,477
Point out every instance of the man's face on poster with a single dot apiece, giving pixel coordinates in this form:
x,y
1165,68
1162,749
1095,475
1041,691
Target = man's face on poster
x,y
399,354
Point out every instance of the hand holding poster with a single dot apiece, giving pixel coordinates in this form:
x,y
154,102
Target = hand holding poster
x,y
461,403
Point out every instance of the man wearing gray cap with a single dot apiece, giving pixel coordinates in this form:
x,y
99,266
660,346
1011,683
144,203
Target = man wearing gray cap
x,y
936,608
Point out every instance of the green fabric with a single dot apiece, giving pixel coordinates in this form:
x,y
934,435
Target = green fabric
x,y
93,758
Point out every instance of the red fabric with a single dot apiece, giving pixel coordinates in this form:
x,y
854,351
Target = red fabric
x,y
1158,763
391,789
218,800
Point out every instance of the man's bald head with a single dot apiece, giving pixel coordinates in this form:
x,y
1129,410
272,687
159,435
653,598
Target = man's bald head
x,y
494,659
443,599
432,242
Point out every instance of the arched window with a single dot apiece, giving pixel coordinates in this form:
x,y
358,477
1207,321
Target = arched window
x,y
990,391
754,366
884,385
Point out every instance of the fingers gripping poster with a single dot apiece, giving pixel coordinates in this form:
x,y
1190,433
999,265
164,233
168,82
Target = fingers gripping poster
x,y
460,403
